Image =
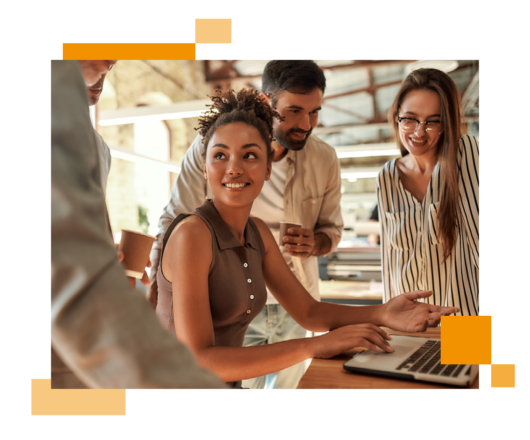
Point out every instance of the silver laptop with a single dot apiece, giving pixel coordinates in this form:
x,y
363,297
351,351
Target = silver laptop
x,y
413,359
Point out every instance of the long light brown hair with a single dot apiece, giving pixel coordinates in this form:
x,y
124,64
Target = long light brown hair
x,y
453,127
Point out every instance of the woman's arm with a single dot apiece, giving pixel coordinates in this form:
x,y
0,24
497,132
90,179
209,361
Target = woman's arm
x,y
186,262
401,313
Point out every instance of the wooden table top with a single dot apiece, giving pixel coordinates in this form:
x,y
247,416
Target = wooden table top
x,y
330,374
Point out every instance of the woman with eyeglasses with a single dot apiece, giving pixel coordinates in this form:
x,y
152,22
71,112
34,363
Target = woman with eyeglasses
x,y
429,198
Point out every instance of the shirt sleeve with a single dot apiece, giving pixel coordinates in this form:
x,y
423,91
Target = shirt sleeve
x,y
102,329
468,183
385,245
104,160
330,218
189,191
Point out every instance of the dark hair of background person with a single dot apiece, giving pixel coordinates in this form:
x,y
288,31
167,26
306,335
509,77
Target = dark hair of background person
x,y
452,118
299,76
244,106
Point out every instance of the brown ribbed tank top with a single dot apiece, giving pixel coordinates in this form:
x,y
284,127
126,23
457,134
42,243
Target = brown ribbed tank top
x,y
236,287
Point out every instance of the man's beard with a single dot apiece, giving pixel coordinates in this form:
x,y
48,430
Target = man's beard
x,y
290,143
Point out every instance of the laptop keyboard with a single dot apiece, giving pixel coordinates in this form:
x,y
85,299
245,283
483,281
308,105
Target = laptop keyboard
x,y
426,359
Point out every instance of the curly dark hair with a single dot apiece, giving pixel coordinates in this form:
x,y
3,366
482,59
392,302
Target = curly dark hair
x,y
244,106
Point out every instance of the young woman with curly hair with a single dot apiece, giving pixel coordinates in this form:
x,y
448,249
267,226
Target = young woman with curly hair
x,y
216,262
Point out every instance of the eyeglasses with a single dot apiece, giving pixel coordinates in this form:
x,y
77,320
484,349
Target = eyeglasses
x,y
410,125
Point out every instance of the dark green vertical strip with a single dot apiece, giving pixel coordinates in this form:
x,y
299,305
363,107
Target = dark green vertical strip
x,y
24,221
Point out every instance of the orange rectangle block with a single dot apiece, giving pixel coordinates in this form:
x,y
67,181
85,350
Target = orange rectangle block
x,y
466,340
128,51
213,30
503,376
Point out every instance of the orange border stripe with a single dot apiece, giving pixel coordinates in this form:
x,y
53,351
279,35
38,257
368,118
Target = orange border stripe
x,y
187,50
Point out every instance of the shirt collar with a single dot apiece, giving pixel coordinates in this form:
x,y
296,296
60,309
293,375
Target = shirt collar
x,y
292,154
225,237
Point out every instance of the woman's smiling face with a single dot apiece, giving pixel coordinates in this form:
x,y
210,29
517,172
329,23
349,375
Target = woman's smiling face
x,y
236,164
424,106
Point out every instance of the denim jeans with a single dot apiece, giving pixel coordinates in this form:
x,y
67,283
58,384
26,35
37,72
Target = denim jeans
x,y
272,325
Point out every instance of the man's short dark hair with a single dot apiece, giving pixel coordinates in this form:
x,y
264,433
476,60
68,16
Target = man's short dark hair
x,y
298,76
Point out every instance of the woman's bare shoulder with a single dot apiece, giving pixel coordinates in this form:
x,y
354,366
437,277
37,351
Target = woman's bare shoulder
x,y
189,245
192,221
191,231
262,227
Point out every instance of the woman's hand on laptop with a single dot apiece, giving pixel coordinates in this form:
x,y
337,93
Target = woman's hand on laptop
x,y
348,337
406,314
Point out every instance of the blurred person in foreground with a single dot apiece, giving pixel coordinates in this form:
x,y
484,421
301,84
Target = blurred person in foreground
x,y
104,334
304,188
94,74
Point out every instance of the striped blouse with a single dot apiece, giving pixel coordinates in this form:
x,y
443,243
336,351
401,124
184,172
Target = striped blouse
x,y
411,252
